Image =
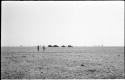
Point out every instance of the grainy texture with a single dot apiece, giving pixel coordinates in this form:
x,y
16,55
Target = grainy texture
x,y
62,63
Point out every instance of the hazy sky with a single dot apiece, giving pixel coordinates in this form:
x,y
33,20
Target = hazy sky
x,y
79,23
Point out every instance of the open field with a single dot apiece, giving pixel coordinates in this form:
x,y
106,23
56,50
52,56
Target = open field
x,y
62,63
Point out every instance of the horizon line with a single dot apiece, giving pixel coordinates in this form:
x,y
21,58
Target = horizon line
x,y
67,46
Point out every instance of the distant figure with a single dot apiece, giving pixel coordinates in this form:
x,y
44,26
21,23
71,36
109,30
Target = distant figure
x,y
43,48
38,48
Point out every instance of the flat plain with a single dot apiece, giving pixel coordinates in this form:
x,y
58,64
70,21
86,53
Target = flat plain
x,y
62,63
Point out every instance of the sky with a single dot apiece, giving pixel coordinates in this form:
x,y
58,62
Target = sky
x,y
78,23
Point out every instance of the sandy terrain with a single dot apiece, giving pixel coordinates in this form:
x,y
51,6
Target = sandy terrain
x,y
62,63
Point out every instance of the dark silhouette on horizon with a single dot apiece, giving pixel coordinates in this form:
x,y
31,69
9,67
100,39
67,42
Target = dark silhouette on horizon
x,y
63,46
43,48
38,47
55,46
50,46
69,46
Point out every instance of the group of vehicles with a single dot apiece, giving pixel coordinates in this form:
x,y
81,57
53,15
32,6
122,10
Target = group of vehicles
x,y
43,47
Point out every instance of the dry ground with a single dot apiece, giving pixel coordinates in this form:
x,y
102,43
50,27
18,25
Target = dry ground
x,y
62,63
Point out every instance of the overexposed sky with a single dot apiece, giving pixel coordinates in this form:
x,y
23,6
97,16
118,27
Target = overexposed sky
x,y
79,23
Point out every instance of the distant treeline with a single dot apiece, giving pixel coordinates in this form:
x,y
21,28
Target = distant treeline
x,y
58,46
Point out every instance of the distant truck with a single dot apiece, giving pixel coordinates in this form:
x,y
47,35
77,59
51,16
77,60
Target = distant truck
x,y
63,46
55,46
50,46
58,46
70,46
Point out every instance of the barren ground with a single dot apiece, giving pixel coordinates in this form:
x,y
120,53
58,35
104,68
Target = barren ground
x,y
62,63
